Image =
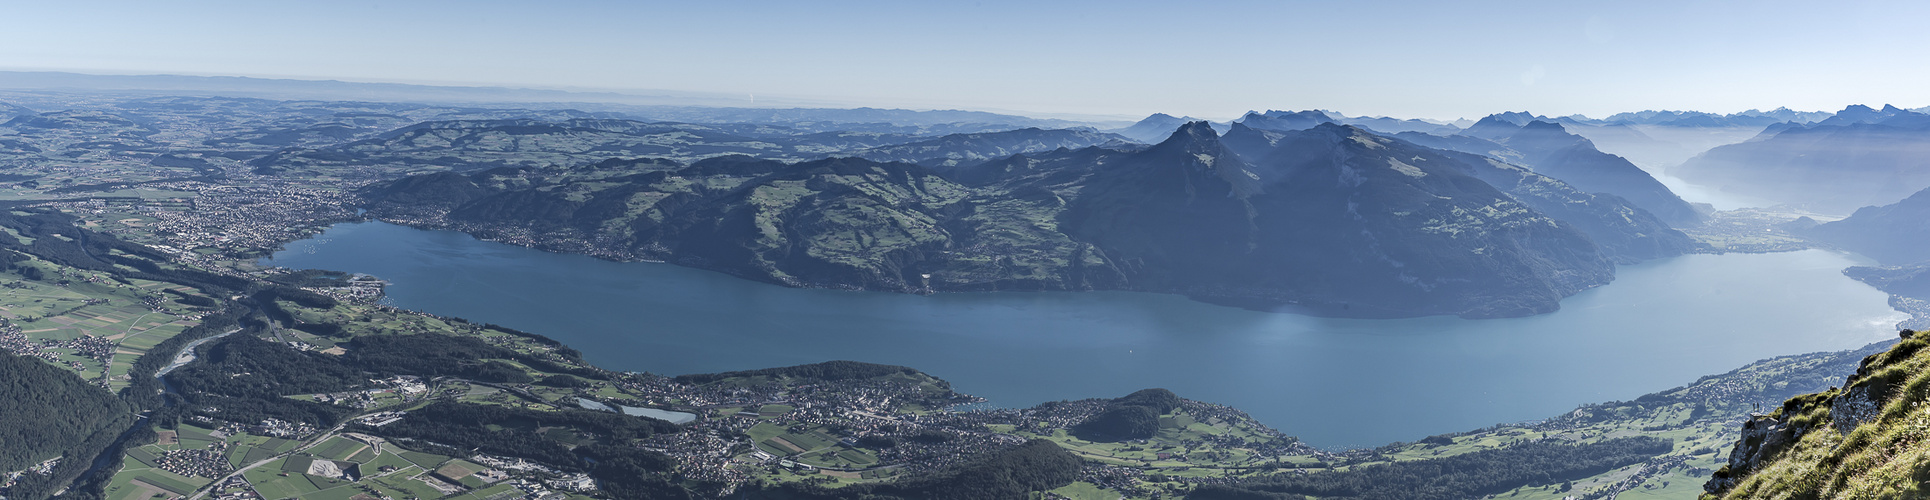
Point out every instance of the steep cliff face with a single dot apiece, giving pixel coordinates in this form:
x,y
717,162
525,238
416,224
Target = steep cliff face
x,y
1866,439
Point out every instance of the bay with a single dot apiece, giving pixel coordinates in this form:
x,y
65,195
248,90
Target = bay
x,y
1333,382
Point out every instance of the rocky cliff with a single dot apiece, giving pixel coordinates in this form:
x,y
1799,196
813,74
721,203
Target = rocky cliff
x,y
1864,439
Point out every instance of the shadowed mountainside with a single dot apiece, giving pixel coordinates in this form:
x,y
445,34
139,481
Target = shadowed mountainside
x,y
1859,157
1551,150
1331,220
1896,234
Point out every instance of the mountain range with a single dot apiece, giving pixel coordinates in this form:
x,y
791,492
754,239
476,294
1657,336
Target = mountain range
x,y
1333,220
1155,127
482,144
1539,143
957,150
1859,157
1549,149
1305,211
1750,118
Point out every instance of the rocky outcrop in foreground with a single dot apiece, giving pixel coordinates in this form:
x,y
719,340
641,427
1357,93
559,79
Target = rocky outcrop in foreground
x,y
1865,439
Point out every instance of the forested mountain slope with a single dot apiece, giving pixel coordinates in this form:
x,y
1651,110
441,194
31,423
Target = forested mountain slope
x,y
1333,220
1550,150
49,410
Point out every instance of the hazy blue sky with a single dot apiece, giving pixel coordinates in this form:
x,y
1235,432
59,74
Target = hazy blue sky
x,y
1440,59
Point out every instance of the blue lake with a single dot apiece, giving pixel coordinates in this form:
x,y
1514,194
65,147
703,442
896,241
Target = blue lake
x,y
1333,382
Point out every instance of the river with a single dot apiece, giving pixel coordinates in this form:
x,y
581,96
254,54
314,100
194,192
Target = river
x,y
1332,382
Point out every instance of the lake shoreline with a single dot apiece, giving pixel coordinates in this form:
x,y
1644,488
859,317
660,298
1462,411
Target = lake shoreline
x,y
1681,315
1284,303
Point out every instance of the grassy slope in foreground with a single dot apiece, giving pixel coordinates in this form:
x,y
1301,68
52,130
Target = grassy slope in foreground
x,y
1863,440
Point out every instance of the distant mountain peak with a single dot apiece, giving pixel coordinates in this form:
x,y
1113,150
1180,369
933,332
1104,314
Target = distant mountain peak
x,y
1784,163
1495,120
1889,115
1197,145
1196,130
1191,136
1340,128
1514,117
1193,139
1309,114
1544,126
1285,121
1349,136
1154,128
1492,127
1542,137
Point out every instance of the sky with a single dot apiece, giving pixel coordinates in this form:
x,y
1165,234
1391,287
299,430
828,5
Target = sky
x,y
1422,59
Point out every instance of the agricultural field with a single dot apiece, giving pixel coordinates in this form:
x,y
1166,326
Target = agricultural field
x,y
1080,490
143,483
497,492
377,471
274,472
339,448
252,449
813,446
166,468
1184,446
89,322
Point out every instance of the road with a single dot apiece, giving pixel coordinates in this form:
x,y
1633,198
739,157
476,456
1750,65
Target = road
x,y
319,437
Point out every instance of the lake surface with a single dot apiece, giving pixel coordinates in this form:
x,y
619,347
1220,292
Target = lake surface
x,y
1333,382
